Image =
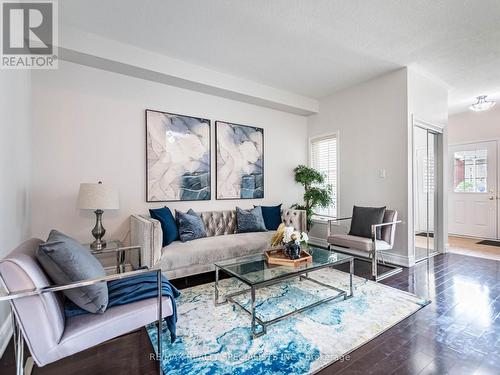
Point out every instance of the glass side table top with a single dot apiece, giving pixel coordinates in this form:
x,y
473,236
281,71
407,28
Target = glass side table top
x,y
254,269
111,245
116,247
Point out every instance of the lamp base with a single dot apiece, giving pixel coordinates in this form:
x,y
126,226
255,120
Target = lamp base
x,y
98,245
98,232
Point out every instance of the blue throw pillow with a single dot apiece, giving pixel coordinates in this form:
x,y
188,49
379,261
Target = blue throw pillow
x,y
168,225
250,220
190,225
272,216
66,261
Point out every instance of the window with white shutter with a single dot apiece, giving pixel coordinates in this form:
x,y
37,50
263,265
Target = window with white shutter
x,y
324,159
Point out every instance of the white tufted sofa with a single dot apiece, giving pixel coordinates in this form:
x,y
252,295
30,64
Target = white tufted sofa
x,y
181,259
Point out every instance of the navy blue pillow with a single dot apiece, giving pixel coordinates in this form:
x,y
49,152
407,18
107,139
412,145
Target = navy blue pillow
x,y
168,225
272,216
190,225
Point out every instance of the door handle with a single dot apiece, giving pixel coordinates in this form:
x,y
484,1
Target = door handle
x,y
491,197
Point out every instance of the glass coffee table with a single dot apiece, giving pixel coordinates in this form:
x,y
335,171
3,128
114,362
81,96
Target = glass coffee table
x,y
255,272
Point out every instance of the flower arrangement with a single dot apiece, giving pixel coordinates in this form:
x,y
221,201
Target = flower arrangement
x,y
291,235
290,239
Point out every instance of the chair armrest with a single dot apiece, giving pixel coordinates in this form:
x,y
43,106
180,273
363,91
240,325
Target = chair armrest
x,y
5,296
375,226
146,233
339,219
329,227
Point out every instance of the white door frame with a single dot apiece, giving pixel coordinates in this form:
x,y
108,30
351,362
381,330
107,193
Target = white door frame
x,y
481,140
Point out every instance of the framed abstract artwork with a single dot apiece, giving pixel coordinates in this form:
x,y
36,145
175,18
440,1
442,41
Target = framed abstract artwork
x,y
177,157
239,161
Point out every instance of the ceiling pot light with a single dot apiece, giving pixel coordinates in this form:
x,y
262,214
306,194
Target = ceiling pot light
x,y
482,104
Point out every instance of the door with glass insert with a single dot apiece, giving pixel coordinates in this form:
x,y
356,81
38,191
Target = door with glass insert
x,y
473,190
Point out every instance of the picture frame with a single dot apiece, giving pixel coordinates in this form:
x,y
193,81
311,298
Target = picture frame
x,y
239,161
178,157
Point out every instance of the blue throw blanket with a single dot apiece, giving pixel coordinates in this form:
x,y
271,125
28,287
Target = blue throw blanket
x,y
132,289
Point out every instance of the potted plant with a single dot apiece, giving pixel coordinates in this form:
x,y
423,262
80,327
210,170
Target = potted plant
x,y
317,193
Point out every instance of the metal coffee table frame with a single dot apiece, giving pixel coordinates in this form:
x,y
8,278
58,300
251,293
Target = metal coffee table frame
x,y
302,274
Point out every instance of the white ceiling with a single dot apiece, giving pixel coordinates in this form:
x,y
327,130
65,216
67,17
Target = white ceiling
x,y
312,47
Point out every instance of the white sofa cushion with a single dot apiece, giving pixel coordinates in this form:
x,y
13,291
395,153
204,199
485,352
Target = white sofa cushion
x,y
206,251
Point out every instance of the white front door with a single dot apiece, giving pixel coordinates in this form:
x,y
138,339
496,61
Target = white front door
x,y
473,190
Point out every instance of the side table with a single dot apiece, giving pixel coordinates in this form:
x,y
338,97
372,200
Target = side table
x,y
116,246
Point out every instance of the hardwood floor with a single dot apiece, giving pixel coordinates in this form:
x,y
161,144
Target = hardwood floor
x,y
458,333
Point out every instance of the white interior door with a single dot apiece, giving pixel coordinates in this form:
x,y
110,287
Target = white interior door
x,y
473,190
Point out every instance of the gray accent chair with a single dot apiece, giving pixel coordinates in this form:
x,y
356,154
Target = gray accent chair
x,y
38,312
180,259
371,248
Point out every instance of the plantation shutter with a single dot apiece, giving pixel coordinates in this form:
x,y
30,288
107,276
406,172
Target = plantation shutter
x,y
324,159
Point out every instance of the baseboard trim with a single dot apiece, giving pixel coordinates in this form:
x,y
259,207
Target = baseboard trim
x,y
399,260
6,331
396,259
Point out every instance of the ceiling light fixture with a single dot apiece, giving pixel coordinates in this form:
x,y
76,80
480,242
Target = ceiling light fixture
x,y
482,104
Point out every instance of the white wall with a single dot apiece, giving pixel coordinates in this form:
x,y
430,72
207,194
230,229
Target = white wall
x,y
15,171
428,102
371,119
89,125
474,126
107,54
427,98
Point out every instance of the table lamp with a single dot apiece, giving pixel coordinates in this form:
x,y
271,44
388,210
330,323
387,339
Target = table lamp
x,y
98,197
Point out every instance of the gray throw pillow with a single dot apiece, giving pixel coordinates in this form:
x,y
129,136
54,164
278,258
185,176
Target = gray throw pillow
x,y
363,218
250,220
190,225
65,261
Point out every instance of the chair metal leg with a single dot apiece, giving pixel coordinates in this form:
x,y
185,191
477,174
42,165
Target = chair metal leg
x,y
374,265
21,367
382,257
14,334
19,353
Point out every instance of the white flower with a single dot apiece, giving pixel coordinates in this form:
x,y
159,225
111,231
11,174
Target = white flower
x,y
287,234
305,237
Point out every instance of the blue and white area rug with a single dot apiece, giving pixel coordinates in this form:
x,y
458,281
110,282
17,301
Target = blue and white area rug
x,y
217,340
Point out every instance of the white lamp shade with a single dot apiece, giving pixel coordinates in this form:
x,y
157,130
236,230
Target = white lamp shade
x,y
97,197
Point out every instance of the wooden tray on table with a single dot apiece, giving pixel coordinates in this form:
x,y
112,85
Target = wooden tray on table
x,y
277,256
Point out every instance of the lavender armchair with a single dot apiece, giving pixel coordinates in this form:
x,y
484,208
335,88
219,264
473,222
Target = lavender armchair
x,y
38,313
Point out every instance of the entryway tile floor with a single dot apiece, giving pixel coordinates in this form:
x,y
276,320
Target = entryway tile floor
x,y
469,246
